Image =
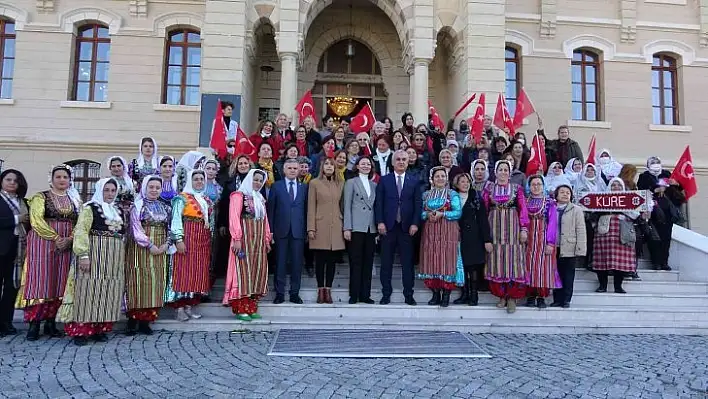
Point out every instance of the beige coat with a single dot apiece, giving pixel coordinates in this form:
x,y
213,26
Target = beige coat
x,y
573,240
324,214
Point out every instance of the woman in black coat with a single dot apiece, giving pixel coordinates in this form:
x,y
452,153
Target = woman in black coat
x,y
475,239
14,224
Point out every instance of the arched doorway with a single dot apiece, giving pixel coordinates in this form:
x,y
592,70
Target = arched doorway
x,y
345,82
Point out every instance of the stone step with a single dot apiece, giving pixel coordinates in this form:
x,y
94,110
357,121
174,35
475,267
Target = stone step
x,y
480,319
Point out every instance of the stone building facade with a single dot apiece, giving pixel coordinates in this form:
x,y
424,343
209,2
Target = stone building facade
x,y
83,79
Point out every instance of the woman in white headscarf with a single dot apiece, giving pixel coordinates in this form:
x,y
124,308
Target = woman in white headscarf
x,y
192,229
572,170
146,265
189,161
614,242
555,177
610,168
94,289
247,275
480,175
147,162
589,181
118,169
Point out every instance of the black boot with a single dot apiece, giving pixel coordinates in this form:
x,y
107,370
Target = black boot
x,y
435,300
540,303
33,332
602,279
80,341
531,302
144,328
50,328
445,302
619,277
464,292
131,327
473,295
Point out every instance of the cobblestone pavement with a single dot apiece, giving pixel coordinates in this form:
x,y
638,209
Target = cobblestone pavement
x,y
172,364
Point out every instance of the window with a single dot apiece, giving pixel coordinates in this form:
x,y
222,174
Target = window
x,y
7,57
512,78
91,64
664,91
183,60
86,174
585,69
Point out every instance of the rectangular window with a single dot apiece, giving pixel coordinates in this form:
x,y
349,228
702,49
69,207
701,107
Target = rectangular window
x,y
7,57
91,64
585,93
183,60
512,78
664,90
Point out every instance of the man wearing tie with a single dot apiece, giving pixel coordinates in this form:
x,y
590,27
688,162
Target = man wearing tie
x,y
397,212
287,206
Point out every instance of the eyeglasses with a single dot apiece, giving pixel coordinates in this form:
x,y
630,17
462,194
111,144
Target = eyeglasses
x,y
401,159
557,167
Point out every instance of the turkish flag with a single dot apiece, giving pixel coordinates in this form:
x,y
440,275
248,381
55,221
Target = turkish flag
x,y
524,108
685,176
537,160
591,150
244,146
502,118
435,117
306,106
477,122
218,132
364,120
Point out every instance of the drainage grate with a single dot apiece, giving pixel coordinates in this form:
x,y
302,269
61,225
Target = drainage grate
x,y
375,343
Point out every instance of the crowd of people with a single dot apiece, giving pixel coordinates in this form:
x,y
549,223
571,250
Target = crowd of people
x,y
468,214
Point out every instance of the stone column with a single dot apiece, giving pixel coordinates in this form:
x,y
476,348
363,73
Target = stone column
x,y
411,92
288,83
420,91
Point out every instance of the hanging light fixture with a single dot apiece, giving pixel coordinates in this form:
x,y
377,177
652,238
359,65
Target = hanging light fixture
x,y
351,50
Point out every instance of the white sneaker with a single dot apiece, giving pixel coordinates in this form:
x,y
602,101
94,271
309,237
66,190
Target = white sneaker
x,y
190,313
181,315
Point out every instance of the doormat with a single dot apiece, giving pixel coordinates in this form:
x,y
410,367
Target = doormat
x,y
375,344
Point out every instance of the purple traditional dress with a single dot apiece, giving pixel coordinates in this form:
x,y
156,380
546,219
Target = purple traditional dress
x,y
543,230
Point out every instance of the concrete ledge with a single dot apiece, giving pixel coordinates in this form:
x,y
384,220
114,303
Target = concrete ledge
x,y
590,124
86,104
175,108
7,101
671,128
673,2
689,254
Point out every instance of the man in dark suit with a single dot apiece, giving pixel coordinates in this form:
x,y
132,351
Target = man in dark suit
x,y
287,206
397,212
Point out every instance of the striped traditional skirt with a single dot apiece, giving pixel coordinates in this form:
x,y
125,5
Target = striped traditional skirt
x,y
95,296
189,272
248,276
439,254
46,270
145,274
610,254
542,269
506,262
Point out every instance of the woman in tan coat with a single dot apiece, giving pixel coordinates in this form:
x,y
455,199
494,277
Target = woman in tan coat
x,y
324,226
572,243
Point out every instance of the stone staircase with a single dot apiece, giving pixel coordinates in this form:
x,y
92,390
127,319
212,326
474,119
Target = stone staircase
x,y
660,303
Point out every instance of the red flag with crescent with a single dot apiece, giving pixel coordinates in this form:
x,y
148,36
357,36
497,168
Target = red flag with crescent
x,y
591,150
306,106
218,132
364,120
524,108
244,146
537,159
502,118
684,174
477,122
435,117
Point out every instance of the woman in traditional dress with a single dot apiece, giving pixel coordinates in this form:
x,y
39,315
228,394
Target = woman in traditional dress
x,y
14,224
324,225
541,264
247,275
146,266
440,265
614,245
589,181
238,170
169,179
94,290
480,175
118,169
53,214
191,228
190,161
475,239
509,221
212,190
146,163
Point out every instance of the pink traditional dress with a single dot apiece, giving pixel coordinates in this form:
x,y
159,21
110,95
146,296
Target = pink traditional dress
x,y
508,217
543,230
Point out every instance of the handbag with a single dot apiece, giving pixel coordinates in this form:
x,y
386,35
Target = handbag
x,y
628,236
648,231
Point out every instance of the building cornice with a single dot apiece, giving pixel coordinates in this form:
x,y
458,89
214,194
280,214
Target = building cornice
x,y
25,144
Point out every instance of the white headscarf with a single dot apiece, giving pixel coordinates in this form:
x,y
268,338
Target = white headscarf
x,y
110,212
189,160
198,195
143,191
552,180
631,214
141,159
486,169
128,182
246,188
612,168
569,172
174,169
586,185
